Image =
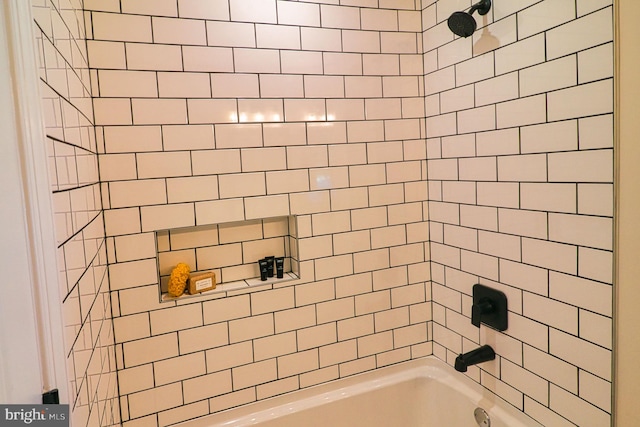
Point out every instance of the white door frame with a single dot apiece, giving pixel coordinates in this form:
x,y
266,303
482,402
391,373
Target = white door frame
x,y
627,249
32,356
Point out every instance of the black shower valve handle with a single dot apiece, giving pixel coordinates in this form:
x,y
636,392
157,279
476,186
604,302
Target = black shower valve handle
x,y
477,310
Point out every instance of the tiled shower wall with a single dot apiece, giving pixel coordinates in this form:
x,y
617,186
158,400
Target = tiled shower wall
x,y
210,112
82,257
520,170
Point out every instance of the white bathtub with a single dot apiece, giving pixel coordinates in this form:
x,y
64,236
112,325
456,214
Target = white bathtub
x,y
424,392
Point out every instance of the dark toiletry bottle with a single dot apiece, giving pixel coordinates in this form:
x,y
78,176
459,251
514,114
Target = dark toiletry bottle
x,y
280,267
263,269
270,262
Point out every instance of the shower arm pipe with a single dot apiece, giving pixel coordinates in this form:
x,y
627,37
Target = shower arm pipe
x,y
482,7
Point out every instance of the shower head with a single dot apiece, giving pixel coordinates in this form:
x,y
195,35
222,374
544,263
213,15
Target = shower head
x,y
463,24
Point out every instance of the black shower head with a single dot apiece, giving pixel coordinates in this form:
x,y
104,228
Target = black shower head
x,y
463,24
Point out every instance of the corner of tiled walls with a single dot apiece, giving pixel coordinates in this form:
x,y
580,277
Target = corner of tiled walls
x,y
224,111
82,257
520,171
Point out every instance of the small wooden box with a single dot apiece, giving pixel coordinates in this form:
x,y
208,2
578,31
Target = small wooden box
x,y
202,282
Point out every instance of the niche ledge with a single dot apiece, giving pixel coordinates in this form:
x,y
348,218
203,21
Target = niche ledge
x,y
231,250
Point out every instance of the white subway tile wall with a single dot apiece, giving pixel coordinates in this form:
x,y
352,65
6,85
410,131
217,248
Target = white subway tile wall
x,y
224,116
343,113
66,90
521,198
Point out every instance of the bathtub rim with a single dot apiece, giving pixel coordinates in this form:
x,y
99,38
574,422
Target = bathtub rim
x,y
429,367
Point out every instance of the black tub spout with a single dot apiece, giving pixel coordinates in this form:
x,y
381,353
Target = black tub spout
x,y
479,355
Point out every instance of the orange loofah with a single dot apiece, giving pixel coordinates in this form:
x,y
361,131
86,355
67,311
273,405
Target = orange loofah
x,y
178,279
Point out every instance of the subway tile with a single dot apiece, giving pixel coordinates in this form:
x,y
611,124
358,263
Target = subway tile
x,y
596,63
153,57
498,89
543,16
238,85
596,132
303,14
135,379
112,111
179,368
159,111
297,363
218,10
255,373
310,110
274,346
594,29
584,100
203,338
179,31
338,353
205,386
164,217
581,166
342,63
275,388
231,34
277,37
595,199
531,167
183,413
150,349
339,17
219,161
335,310
585,355
238,135
520,112
229,356
134,28
521,54
208,59
596,328
549,197
360,41
363,87
175,319
230,400
504,30
499,142
365,132
371,260
251,327
267,206
156,8
184,85
321,39
253,11
582,230
595,390
105,54
523,223
549,137
158,165
283,134
554,256
581,292
158,398
596,264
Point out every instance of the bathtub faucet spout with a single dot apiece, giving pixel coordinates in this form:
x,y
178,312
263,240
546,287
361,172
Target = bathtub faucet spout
x,y
479,355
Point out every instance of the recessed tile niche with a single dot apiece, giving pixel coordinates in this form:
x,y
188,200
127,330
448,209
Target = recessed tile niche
x,y
231,250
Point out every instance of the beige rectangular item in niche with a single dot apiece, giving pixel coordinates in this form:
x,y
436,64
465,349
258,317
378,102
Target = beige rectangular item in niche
x,y
202,282
228,251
